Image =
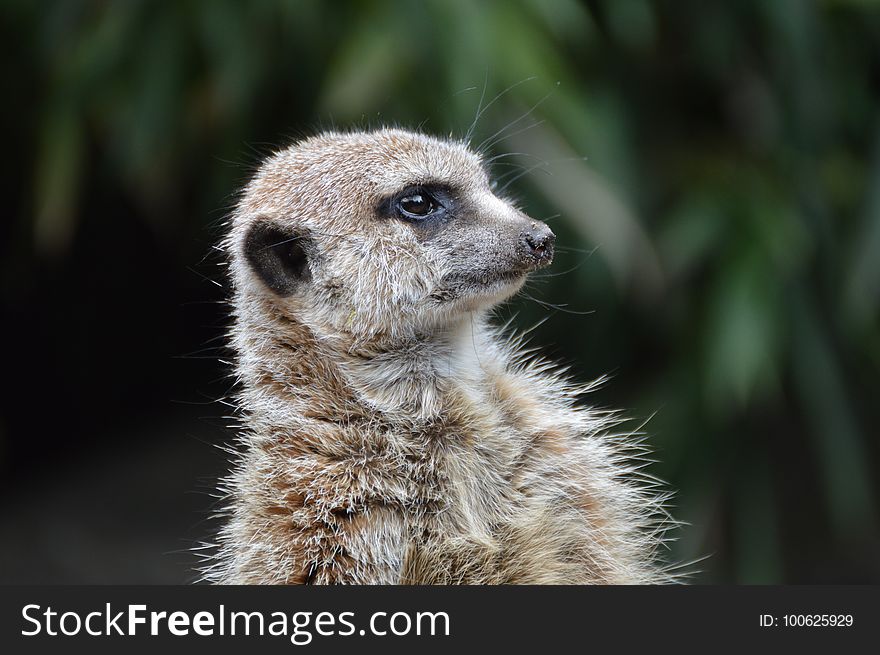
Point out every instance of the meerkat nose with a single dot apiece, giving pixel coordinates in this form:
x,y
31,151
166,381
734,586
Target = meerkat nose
x,y
538,241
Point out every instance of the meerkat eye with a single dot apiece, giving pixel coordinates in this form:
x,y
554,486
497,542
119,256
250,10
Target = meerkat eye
x,y
417,205
420,203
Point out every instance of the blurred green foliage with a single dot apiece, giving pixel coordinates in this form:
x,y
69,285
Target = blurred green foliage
x,y
712,170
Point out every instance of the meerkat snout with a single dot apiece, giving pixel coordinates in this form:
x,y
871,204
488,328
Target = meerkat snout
x,y
538,242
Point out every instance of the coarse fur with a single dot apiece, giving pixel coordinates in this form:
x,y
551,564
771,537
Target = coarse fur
x,y
389,433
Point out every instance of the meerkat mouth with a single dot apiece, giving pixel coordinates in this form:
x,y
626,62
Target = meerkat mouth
x,y
495,291
512,275
506,285
481,289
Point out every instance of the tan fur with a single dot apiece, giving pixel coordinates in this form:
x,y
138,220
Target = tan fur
x,y
389,434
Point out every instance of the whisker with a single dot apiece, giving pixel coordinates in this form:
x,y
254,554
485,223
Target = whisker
x,y
578,250
469,133
512,134
491,140
547,219
496,98
203,276
583,261
539,167
558,308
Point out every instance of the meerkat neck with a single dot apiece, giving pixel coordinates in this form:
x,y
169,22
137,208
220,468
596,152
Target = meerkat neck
x,y
412,374
417,374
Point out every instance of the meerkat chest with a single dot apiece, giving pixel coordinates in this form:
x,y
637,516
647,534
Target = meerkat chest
x,y
474,504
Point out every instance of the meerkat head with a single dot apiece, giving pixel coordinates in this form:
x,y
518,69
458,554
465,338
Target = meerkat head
x,y
384,233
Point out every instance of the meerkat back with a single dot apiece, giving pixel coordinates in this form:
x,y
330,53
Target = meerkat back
x,y
389,434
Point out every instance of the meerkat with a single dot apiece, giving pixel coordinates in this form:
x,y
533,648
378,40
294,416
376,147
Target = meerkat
x,y
390,434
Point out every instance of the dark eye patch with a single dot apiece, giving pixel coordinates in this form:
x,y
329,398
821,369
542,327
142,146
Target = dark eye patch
x,y
419,204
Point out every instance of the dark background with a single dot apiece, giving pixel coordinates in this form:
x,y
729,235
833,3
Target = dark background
x,y
721,248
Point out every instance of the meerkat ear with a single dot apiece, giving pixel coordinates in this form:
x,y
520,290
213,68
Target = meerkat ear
x,y
278,256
